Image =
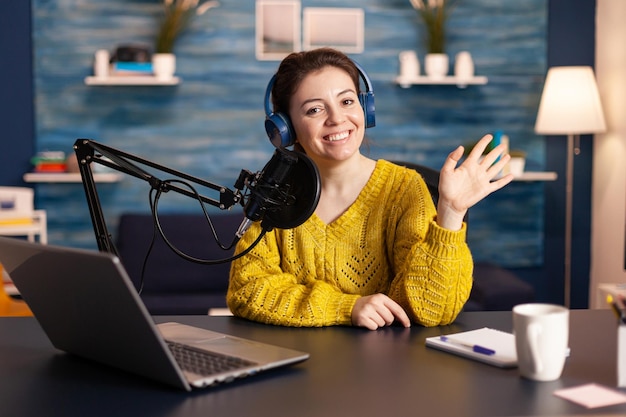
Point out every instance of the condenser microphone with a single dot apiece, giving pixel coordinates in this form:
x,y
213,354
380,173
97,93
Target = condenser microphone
x,y
284,194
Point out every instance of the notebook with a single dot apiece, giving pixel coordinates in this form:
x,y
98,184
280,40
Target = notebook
x,y
486,345
87,306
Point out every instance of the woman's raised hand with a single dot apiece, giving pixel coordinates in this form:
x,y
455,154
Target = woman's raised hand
x,y
462,186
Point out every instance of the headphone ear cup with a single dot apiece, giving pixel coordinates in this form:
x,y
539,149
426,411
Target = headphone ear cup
x,y
279,130
367,102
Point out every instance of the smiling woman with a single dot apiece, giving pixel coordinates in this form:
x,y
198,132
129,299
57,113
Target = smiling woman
x,y
375,251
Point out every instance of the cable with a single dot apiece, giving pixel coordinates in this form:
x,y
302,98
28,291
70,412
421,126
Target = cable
x,y
154,197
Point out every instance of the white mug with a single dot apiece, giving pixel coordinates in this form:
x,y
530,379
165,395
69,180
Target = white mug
x,y
101,63
464,65
409,64
541,339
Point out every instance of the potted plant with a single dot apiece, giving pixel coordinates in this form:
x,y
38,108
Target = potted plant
x,y
517,162
176,17
434,14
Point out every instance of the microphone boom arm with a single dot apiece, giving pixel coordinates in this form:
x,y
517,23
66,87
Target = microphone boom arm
x,y
86,149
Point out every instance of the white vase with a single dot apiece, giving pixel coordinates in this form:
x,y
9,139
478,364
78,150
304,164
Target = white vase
x,y
436,65
463,66
516,166
409,64
101,63
164,66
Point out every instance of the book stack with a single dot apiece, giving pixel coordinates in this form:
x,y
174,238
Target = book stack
x,y
126,61
15,219
49,161
126,69
16,206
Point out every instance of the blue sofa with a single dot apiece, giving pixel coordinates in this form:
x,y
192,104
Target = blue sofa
x,y
173,285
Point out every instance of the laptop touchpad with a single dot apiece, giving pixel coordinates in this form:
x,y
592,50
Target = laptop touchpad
x,y
181,333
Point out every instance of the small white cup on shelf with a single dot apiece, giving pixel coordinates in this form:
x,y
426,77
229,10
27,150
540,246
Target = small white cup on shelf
x,y
409,64
101,63
516,166
464,66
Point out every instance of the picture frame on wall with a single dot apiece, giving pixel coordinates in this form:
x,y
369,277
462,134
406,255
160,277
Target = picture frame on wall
x,y
278,28
335,27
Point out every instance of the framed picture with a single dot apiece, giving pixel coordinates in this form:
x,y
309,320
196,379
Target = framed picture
x,y
277,29
339,28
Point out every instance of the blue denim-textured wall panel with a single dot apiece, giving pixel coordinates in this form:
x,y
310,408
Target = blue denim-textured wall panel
x,y
211,125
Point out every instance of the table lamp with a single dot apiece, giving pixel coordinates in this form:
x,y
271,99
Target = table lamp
x,y
570,105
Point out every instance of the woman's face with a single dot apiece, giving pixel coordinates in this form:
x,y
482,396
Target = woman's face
x,y
327,116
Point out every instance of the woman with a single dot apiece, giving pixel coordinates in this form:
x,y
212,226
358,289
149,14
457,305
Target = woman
x,y
375,251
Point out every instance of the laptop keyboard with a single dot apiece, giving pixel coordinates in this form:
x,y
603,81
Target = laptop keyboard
x,y
205,363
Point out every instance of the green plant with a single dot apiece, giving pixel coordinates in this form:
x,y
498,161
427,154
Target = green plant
x,y
469,146
434,14
514,153
176,17
517,153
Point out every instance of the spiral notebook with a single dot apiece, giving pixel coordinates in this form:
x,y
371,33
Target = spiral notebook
x,y
487,345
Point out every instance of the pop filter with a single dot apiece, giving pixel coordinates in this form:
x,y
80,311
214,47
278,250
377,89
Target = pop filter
x,y
304,185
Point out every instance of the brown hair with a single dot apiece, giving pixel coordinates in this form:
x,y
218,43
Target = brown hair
x,y
297,65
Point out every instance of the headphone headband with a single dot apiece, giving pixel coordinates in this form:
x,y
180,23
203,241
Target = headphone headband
x,y
364,77
278,125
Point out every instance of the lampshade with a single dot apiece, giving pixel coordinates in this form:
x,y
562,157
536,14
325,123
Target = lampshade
x,y
570,103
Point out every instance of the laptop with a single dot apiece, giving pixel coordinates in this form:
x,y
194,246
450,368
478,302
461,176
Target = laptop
x,y
87,306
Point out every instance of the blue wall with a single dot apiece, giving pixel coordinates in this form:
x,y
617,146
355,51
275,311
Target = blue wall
x,y
16,92
211,125
570,41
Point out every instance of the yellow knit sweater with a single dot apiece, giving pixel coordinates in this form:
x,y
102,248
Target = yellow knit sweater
x,y
386,242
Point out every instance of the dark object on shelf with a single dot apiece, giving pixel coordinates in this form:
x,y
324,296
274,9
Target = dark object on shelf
x,y
131,53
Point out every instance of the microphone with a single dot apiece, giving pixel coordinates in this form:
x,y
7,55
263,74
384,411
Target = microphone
x,y
283,194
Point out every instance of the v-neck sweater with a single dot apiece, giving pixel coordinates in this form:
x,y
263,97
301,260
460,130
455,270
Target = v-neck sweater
x,y
386,242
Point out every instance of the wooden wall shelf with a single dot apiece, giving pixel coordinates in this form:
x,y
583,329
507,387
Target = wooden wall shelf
x,y
69,177
537,176
406,82
137,80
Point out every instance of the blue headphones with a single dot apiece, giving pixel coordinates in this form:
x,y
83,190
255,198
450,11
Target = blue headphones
x,y
278,125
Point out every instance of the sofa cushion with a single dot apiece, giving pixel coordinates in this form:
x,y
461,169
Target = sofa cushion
x,y
497,289
173,285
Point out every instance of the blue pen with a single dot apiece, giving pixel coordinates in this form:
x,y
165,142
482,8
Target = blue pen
x,y
475,348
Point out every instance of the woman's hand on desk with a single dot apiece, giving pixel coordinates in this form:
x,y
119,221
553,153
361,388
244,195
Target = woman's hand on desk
x,y
378,310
